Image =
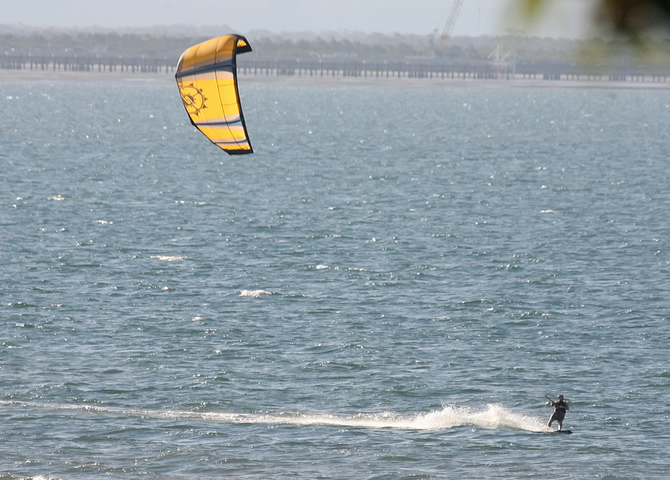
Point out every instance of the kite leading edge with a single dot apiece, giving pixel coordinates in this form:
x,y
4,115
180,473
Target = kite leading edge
x,y
207,80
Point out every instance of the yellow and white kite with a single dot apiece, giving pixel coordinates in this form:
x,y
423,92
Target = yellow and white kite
x,y
207,80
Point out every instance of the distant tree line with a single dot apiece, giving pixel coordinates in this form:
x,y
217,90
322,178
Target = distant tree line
x,y
355,45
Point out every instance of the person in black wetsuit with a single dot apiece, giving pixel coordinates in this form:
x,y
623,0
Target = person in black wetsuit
x,y
560,407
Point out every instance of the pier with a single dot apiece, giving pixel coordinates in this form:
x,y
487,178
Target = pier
x,y
343,67
87,63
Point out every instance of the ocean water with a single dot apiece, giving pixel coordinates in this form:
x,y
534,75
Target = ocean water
x,y
387,289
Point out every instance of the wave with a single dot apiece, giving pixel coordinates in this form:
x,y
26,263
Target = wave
x,y
494,416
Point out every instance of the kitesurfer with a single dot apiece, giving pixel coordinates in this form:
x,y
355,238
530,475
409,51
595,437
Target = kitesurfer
x,y
560,407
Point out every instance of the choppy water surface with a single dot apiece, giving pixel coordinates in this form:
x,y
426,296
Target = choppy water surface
x,y
386,289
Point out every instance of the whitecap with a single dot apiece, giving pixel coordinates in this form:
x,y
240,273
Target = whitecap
x,y
169,258
254,293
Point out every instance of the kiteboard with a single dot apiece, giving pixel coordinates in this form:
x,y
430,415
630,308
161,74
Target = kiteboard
x,y
551,432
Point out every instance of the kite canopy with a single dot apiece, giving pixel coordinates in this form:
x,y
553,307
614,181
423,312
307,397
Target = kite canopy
x,y
207,80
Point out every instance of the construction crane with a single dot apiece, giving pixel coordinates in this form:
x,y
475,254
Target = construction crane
x,y
448,27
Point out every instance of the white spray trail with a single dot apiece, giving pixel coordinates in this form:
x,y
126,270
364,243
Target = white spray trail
x,y
494,416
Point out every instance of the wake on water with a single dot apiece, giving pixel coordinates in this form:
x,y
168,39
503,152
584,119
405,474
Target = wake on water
x,y
494,416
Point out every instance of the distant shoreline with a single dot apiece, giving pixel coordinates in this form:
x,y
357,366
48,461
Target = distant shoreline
x,y
19,76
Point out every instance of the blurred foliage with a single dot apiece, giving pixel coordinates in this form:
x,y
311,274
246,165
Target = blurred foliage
x,y
633,20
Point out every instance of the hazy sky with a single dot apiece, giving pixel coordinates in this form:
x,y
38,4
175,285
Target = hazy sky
x,y
477,17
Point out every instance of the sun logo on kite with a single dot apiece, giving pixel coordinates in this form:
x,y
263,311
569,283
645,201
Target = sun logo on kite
x,y
193,99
